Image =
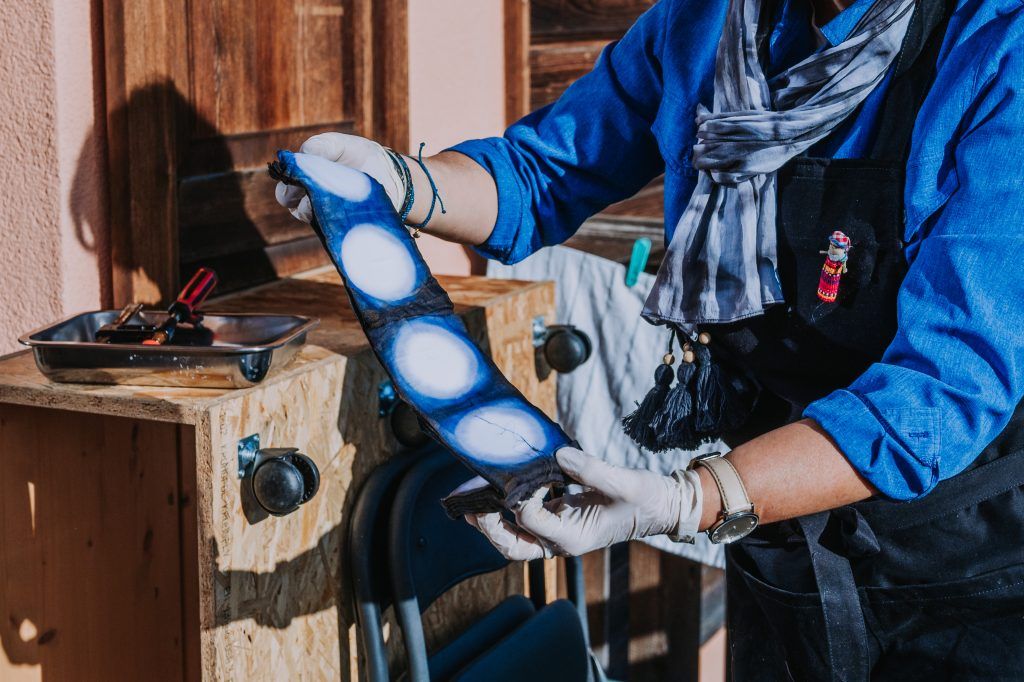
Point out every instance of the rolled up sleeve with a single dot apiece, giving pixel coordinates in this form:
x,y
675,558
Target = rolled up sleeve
x,y
592,147
954,373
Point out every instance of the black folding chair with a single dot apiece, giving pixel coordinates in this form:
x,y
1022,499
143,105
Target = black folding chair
x,y
429,554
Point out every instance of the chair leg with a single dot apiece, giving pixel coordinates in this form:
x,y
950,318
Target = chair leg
x,y
577,592
409,617
535,576
617,611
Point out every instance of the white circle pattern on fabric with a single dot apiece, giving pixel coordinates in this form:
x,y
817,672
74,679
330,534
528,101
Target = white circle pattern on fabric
x,y
378,263
433,361
501,434
343,181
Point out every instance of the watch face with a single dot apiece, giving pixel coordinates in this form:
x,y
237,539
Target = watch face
x,y
734,528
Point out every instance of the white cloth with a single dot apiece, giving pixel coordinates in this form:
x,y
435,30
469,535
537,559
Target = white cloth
x,y
592,295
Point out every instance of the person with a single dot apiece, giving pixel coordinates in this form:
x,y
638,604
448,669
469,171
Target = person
x,y
877,505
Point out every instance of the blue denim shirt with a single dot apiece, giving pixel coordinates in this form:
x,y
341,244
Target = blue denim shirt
x,y
950,380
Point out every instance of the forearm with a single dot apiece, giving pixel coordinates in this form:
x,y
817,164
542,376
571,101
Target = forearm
x,y
468,192
561,164
789,472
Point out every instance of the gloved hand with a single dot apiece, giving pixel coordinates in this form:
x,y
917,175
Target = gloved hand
x,y
345,150
618,504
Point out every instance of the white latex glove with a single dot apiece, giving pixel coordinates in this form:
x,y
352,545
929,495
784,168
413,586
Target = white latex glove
x,y
345,150
618,504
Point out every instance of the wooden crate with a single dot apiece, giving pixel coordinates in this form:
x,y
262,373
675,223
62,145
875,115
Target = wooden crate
x,y
124,552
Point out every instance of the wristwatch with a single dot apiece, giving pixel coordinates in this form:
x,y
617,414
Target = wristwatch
x,y
738,518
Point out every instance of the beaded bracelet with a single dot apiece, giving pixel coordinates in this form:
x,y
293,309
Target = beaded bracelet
x,y
410,192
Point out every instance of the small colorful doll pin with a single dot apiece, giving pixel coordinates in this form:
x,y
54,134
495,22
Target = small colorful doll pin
x,y
834,267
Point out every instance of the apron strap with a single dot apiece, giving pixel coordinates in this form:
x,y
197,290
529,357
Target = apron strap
x,y
845,629
913,74
960,492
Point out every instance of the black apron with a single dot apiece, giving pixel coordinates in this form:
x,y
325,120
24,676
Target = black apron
x,y
931,589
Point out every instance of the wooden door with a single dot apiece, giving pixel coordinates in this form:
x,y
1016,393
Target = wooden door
x,y
200,94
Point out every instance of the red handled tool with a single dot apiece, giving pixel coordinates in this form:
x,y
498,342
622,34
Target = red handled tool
x,y
184,311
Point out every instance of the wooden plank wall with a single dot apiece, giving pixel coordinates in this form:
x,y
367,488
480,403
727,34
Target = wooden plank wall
x,y
264,75
566,37
650,612
90,514
145,53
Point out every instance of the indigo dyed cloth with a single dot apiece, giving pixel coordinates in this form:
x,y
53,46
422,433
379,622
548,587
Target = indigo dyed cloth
x,y
953,374
721,263
462,398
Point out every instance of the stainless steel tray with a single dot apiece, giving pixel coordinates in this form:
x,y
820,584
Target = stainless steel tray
x,y
245,350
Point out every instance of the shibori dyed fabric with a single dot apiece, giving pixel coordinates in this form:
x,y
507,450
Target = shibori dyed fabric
x,y
460,396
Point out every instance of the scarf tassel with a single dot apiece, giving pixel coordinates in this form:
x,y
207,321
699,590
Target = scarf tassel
x,y
674,425
639,424
710,393
704,403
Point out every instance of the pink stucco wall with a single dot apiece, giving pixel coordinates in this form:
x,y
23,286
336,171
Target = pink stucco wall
x,y
456,88
81,156
52,224
29,191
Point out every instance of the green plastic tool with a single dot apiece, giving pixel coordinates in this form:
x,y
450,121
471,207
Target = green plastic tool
x,y
638,260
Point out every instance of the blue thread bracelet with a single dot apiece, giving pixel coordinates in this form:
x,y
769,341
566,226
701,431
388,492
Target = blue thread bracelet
x,y
435,197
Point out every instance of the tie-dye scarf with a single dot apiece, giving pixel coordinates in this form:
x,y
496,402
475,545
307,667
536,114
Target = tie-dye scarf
x,y
460,396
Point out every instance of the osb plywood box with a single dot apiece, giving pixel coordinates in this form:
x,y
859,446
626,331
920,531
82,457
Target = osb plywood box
x,y
124,550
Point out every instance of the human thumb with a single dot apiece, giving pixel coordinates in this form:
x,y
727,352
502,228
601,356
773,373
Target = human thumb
x,y
331,146
590,471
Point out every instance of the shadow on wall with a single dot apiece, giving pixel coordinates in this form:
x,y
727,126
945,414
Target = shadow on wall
x,y
214,227
227,217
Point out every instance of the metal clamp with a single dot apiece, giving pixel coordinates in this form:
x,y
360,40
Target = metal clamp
x,y
387,398
248,448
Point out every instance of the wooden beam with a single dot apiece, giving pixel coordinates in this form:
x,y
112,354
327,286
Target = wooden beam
x,y
145,46
391,73
517,59
571,20
361,53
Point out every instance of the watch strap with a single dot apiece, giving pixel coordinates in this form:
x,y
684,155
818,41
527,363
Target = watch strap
x,y
730,485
